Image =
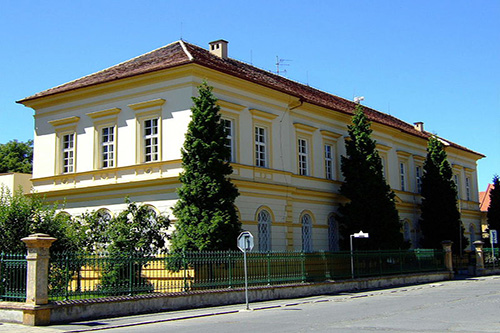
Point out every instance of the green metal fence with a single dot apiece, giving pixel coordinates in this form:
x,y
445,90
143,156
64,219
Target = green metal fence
x,y
82,276
491,258
13,269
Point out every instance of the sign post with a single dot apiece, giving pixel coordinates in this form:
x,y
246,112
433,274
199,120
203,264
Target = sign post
x,y
245,244
493,240
359,234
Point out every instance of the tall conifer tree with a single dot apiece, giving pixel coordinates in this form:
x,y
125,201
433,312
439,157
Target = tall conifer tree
x,y
371,207
440,218
205,211
494,207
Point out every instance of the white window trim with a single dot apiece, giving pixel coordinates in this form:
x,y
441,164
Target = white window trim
x,y
109,146
303,156
307,231
418,178
264,223
261,150
329,161
71,150
467,188
151,140
230,137
402,176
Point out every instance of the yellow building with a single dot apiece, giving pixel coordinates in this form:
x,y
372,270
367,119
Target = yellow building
x,y
119,132
13,181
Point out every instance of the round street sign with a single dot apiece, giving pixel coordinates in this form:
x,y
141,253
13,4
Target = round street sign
x,y
245,241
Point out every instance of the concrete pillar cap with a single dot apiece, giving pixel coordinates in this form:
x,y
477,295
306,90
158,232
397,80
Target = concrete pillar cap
x,y
39,240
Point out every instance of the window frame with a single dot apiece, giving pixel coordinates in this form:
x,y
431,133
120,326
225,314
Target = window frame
x,y
64,151
261,158
468,188
303,157
329,163
146,111
402,176
306,221
104,156
418,178
333,233
230,137
151,140
264,227
264,120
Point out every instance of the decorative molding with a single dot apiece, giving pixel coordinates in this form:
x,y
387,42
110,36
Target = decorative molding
x,y
304,127
64,121
104,113
147,106
263,114
330,134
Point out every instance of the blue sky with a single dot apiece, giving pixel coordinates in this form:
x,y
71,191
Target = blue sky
x,y
432,61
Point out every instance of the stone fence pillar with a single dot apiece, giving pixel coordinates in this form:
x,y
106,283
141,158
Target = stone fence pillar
x,y
478,245
448,258
37,280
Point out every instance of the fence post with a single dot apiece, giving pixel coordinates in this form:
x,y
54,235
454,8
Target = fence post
x,y
37,280
479,257
448,256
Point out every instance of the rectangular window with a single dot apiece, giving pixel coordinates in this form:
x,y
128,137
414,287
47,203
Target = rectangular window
x,y
68,153
303,158
402,176
418,176
382,161
328,162
467,188
260,147
457,184
108,146
228,125
151,140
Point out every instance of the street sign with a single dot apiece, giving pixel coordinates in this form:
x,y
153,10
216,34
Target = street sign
x,y
245,241
245,244
361,234
493,237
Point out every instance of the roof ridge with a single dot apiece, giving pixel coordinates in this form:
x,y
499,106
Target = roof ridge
x,y
190,57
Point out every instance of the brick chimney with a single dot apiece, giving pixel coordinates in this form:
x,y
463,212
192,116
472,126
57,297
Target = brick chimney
x,y
419,126
219,48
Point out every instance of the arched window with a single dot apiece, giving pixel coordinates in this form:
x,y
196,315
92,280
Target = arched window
x,y
306,222
104,216
407,231
333,234
264,225
472,233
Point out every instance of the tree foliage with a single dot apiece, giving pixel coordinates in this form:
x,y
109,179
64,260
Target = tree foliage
x,y
494,207
371,207
16,156
138,228
207,218
440,218
22,215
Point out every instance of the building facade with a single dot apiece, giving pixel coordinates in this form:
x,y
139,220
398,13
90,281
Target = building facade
x,y
119,133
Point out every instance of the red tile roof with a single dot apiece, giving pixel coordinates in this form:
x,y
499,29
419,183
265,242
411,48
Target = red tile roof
x,y
484,198
180,53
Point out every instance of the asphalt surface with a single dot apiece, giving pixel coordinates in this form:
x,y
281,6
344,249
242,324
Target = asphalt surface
x,y
468,305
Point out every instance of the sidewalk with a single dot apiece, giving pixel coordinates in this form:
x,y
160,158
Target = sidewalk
x,y
130,321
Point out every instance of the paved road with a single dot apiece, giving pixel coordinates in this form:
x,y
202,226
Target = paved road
x,y
471,305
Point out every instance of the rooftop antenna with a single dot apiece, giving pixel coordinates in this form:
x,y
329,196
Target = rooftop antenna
x,y
358,100
281,62
181,30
